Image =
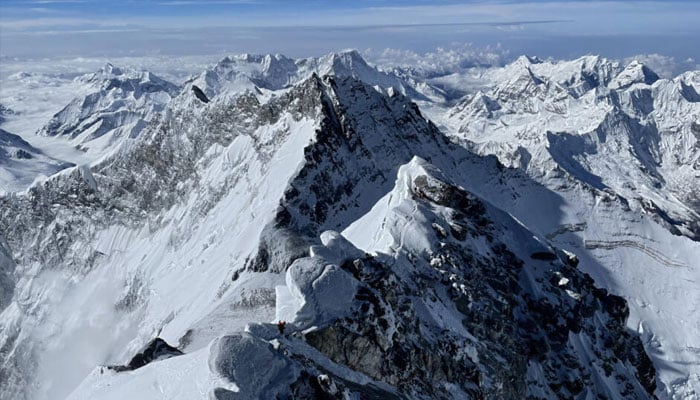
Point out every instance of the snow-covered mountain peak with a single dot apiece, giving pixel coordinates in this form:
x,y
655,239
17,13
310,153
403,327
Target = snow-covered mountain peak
x,y
109,69
105,73
458,298
428,219
688,85
271,71
582,114
575,77
237,74
526,61
108,75
690,78
345,63
119,105
634,72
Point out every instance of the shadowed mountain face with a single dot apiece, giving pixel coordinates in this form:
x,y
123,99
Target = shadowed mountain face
x,y
393,254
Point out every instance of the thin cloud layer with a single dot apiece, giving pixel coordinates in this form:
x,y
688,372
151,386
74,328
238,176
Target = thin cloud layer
x,y
441,61
591,17
560,29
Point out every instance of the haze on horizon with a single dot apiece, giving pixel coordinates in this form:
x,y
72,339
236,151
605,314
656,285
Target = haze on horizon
x,y
36,29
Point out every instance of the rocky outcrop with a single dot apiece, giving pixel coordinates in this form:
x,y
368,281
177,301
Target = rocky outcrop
x,y
7,281
199,94
472,313
156,349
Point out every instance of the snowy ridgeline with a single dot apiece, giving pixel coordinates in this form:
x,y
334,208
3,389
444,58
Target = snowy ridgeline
x,y
204,213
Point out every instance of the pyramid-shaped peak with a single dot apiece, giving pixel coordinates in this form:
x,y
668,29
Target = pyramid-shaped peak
x,y
110,69
647,73
105,73
350,54
527,60
348,59
635,72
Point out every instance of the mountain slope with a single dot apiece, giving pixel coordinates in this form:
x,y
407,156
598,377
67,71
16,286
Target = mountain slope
x,y
622,130
623,162
21,163
237,74
197,222
416,327
221,216
130,220
119,106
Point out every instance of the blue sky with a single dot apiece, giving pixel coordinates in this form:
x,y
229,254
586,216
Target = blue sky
x,y
617,16
557,28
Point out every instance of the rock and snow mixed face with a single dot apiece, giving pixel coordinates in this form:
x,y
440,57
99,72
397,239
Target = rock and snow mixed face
x,y
262,73
225,213
623,155
119,105
618,129
438,315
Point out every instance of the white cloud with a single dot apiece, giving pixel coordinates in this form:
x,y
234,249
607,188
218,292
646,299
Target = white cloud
x,y
441,61
34,23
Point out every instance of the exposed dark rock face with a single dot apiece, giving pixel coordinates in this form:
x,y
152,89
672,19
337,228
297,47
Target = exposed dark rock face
x,y
327,386
543,255
519,314
7,283
363,138
23,149
199,94
156,349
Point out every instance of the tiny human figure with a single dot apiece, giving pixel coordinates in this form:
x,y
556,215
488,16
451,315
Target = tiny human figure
x,y
280,326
